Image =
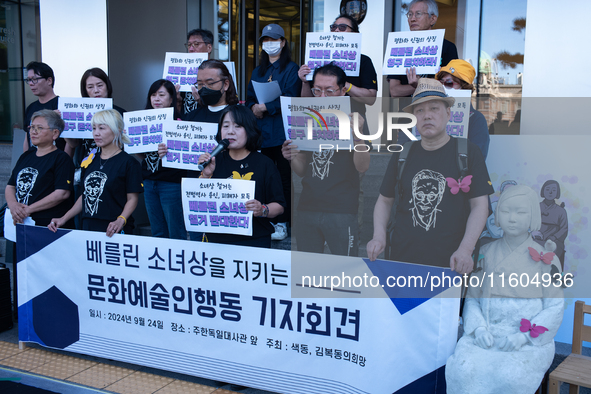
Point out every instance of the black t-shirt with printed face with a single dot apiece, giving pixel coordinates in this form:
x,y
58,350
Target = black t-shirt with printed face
x,y
37,177
152,169
104,190
330,183
430,219
259,168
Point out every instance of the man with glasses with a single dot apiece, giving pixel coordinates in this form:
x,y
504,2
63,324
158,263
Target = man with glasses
x,y
41,79
422,15
198,41
327,210
443,206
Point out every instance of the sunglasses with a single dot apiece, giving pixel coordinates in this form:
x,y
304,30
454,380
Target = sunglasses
x,y
339,27
448,84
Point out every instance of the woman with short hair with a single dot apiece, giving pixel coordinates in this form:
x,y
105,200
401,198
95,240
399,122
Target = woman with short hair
x,y
41,182
111,181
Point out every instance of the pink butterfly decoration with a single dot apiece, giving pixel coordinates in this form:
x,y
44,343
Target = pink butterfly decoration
x,y
462,183
534,331
546,258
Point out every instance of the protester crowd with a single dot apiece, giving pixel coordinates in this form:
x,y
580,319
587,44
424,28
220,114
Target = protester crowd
x,y
98,187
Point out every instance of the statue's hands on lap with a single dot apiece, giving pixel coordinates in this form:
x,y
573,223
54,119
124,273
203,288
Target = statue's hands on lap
x,y
513,342
484,339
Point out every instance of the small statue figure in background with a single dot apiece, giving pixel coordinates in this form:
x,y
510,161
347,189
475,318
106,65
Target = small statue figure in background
x,y
554,219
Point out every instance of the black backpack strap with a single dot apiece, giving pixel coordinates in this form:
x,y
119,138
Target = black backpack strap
x,y
402,159
462,148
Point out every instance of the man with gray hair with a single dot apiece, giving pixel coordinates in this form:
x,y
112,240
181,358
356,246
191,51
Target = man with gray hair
x,y
443,192
422,15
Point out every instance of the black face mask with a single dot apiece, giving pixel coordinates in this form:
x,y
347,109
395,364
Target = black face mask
x,y
210,96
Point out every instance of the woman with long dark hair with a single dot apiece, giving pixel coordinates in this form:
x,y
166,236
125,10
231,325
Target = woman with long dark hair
x,y
242,161
275,65
162,186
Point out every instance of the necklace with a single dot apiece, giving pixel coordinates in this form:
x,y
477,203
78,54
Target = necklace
x,y
101,164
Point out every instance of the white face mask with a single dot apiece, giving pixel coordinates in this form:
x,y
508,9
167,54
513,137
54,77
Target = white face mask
x,y
272,48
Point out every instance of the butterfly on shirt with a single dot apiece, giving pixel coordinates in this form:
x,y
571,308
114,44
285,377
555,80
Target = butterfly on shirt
x,y
247,176
462,184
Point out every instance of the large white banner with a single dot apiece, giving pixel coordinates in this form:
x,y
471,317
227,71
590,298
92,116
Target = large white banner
x,y
228,313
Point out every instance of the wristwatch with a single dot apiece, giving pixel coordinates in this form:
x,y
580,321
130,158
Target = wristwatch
x,y
265,211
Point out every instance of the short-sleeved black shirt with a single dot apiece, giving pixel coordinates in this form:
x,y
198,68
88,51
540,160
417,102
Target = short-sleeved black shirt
x,y
104,190
330,183
430,220
367,79
37,177
259,168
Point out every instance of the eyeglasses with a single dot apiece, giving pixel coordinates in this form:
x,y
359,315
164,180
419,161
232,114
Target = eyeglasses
x,y
447,84
33,80
417,14
193,44
339,27
37,128
209,85
328,92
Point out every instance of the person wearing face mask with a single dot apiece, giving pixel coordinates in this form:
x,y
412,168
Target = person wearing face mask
x,y
275,65
216,91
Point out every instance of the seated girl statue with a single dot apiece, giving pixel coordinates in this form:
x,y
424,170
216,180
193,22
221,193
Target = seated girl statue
x,y
509,325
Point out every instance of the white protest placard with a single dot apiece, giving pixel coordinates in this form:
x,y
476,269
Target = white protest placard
x,y
299,112
217,205
186,141
419,49
10,227
77,113
144,128
342,48
232,69
266,91
181,68
460,113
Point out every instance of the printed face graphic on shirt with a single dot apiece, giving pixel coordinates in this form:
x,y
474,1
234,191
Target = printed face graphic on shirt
x,y
94,185
152,160
25,181
427,191
321,163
